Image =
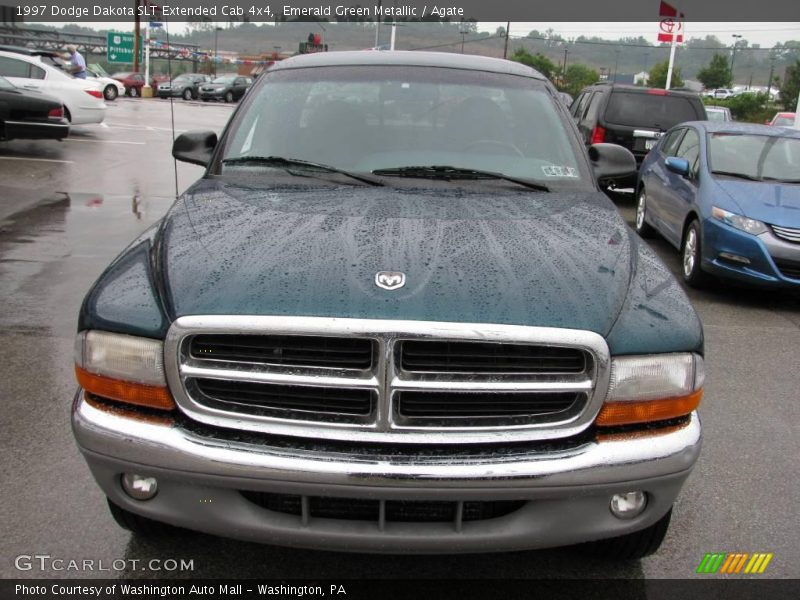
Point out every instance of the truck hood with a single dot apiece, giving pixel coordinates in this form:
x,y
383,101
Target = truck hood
x,y
501,256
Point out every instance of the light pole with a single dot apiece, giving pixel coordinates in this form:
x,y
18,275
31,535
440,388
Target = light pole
x,y
736,37
616,63
463,31
216,58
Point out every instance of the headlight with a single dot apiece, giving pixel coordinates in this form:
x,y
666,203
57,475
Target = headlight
x,y
652,388
738,221
122,367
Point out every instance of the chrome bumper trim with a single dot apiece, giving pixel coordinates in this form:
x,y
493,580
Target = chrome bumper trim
x,y
166,447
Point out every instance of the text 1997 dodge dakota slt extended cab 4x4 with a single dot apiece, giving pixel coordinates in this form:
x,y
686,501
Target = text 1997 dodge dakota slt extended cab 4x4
x,y
396,314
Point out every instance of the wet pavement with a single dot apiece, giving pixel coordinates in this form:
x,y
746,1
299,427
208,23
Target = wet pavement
x,y
74,205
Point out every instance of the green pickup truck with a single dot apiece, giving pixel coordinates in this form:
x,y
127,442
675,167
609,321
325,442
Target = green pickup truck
x,y
396,314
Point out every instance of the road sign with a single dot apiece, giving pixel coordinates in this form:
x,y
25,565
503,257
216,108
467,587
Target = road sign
x,y
119,48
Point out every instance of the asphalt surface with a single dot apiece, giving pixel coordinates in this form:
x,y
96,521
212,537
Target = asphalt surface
x,y
66,209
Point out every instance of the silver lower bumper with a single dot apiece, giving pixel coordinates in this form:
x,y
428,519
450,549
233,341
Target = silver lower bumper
x,y
568,490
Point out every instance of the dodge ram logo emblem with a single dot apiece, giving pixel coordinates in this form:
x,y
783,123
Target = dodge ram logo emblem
x,y
390,280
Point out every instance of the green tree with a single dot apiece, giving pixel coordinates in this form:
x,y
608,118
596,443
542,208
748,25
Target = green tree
x,y
717,74
658,76
578,77
540,62
791,86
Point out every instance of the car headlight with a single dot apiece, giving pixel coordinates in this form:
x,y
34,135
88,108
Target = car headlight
x,y
651,388
122,367
738,221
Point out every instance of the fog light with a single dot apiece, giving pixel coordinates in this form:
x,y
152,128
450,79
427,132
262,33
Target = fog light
x,y
628,506
139,487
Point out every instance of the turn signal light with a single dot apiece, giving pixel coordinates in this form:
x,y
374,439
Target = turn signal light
x,y
125,391
629,413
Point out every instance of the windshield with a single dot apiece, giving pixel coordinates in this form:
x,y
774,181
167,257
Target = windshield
x,y
784,121
5,84
715,114
227,79
98,70
755,156
656,111
367,118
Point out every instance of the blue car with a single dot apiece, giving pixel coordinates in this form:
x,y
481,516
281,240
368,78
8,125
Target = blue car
x,y
728,196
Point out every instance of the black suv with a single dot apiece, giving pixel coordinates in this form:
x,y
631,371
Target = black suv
x,y
633,117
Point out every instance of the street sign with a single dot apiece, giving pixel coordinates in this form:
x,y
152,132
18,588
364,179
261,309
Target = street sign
x,y
119,48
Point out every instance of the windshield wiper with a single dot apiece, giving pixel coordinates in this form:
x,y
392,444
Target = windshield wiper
x,y
739,175
283,162
447,172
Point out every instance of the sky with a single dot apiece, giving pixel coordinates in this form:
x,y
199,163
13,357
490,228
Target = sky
x,y
762,33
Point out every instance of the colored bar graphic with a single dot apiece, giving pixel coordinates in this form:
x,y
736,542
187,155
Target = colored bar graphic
x,y
733,562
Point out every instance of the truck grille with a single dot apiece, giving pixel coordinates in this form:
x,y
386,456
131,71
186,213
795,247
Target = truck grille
x,y
308,351
483,357
409,382
790,234
392,511
789,268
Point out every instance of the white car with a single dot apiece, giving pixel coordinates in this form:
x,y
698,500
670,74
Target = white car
x,y
111,87
82,98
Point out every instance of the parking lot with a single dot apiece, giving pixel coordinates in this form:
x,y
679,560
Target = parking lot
x,y
66,208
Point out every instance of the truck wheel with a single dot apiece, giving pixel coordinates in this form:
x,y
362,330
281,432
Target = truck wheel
x,y
633,545
642,228
691,257
138,524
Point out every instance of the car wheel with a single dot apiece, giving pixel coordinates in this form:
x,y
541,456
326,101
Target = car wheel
x,y
138,524
134,92
110,92
229,97
633,545
642,228
691,256
187,94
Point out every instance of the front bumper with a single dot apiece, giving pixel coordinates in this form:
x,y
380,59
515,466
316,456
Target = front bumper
x,y
174,93
761,250
567,488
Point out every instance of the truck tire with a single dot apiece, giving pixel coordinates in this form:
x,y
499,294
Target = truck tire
x,y
631,546
138,524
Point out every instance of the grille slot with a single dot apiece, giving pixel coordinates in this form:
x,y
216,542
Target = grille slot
x,y
789,268
432,407
790,234
485,357
396,511
269,399
299,351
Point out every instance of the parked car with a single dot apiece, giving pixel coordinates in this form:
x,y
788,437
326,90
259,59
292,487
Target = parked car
x,y
227,87
634,117
30,115
184,86
373,327
111,87
726,195
82,98
718,113
722,93
133,82
782,119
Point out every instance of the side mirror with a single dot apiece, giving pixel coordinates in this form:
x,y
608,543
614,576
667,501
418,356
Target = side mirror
x,y
611,161
677,165
195,147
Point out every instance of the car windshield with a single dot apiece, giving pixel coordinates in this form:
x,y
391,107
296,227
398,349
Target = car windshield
x,y
657,111
97,70
715,114
760,157
388,118
784,121
5,84
226,79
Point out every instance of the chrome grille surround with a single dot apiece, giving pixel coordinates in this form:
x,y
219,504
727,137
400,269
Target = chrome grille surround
x,y
790,234
386,377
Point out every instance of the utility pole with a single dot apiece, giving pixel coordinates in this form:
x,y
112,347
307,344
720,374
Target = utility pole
x,y
216,56
769,83
378,23
736,37
137,35
564,70
505,48
616,63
